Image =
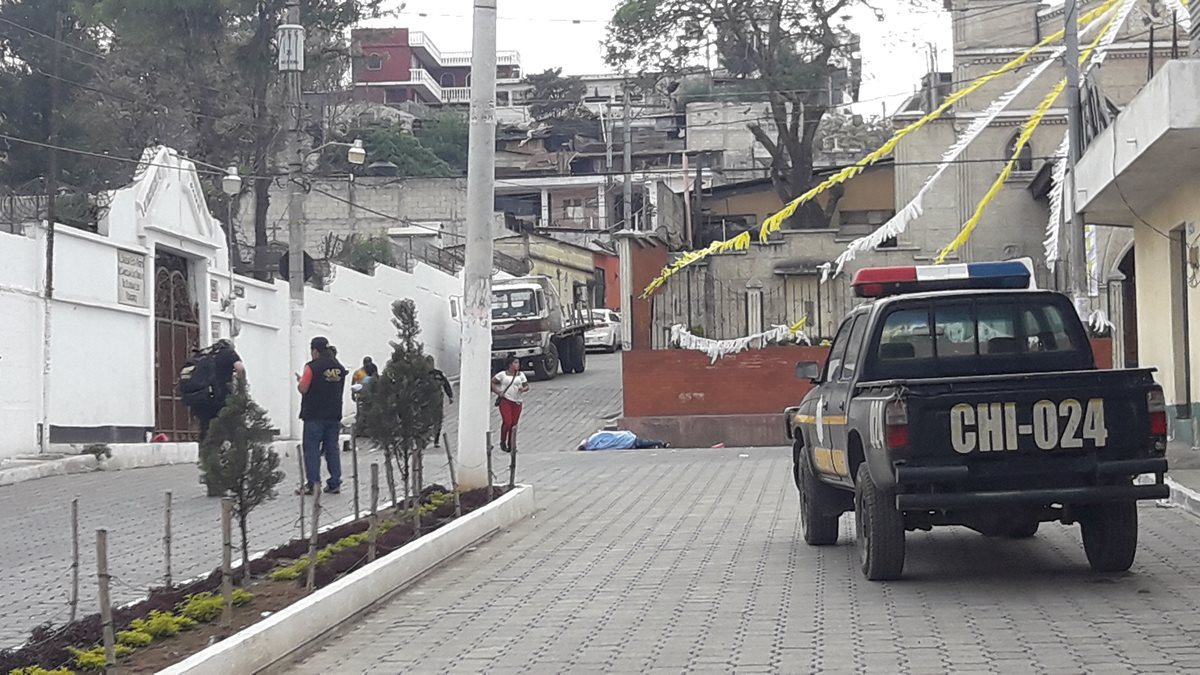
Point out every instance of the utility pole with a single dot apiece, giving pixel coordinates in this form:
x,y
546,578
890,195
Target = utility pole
x,y
51,223
474,411
1074,236
608,168
627,194
291,65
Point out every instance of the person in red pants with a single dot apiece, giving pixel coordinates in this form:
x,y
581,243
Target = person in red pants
x,y
510,386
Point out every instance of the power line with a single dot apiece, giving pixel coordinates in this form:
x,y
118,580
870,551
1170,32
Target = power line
x,y
51,38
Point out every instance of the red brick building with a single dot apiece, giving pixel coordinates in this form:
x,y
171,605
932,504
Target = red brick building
x,y
396,65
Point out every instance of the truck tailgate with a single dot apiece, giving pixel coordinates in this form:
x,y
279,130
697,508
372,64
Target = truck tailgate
x,y
1102,414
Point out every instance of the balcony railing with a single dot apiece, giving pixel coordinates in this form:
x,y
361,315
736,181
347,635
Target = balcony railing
x,y
422,77
509,58
456,94
419,39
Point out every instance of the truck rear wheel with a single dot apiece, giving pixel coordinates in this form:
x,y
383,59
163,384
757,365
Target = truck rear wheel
x,y
545,367
1110,533
818,519
579,349
1023,529
879,527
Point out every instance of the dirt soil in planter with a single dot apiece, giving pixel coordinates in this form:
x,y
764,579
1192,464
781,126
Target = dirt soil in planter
x,y
48,646
269,597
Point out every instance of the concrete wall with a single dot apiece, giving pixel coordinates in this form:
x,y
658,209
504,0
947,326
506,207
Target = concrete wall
x,y
721,126
988,33
100,375
566,265
1162,286
680,397
433,202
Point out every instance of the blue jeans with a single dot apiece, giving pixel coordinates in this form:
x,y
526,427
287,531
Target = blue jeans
x,y
321,439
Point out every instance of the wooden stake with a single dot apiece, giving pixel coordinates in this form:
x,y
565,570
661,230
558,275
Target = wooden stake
x,y
74,558
312,542
512,461
167,544
303,485
415,500
374,524
491,492
354,455
226,562
102,578
453,477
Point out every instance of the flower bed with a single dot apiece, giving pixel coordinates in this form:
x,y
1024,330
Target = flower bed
x,y
174,623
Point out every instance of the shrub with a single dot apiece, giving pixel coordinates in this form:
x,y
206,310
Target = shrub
x,y
162,624
94,658
38,670
206,607
134,638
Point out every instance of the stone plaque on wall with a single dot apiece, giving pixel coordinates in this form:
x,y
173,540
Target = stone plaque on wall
x,y
131,278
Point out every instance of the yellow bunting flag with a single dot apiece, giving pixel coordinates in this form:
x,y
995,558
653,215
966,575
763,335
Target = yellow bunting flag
x,y
1027,130
738,243
799,325
775,222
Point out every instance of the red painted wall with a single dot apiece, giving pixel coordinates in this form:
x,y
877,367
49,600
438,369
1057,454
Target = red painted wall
x,y
673,382
646,262
677,382
611,265
392,45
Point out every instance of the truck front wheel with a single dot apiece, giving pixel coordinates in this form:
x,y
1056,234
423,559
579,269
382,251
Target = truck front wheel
x,y
879,527
545,367
818,517
1110,533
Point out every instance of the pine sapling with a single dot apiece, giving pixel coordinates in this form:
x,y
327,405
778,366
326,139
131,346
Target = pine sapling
x,y
240,460
402,407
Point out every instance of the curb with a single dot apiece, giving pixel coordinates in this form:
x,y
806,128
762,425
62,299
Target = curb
x,y
124,456
267,643
1184,497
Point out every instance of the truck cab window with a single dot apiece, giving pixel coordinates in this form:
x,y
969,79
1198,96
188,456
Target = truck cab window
x,y
1045,329
853,348
837,351
954,331
997,328
905,336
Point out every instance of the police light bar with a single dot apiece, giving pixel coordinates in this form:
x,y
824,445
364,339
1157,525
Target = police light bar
x,y
878,282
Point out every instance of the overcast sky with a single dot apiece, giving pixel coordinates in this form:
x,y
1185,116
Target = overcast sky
x,y
568,33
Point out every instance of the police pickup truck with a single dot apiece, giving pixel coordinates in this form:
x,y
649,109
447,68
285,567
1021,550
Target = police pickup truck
x,y
961,395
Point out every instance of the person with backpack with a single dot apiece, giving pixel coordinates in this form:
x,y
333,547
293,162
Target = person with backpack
x,y
205,383
207,380
322,386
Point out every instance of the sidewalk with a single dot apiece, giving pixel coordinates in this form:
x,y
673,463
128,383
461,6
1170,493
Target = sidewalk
x,y
129,504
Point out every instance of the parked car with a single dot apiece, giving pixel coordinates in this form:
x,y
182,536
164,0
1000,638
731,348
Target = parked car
x,y
959,395
606,331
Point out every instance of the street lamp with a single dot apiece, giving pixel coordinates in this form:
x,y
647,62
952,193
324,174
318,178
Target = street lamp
x,y
231,184
356,154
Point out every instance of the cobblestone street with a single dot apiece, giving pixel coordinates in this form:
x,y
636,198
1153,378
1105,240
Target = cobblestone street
x,y
689,560
37,560
657,561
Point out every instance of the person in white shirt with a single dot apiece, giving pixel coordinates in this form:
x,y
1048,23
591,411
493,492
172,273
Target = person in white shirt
x,y
510,386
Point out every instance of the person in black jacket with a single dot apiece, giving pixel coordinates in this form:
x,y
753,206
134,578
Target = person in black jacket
x,y
441,378
322,386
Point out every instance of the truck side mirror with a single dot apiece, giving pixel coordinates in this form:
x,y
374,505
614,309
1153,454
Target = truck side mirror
x,y
808,370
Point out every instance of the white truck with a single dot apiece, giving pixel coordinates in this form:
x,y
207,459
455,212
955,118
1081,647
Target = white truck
x,y
530,322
